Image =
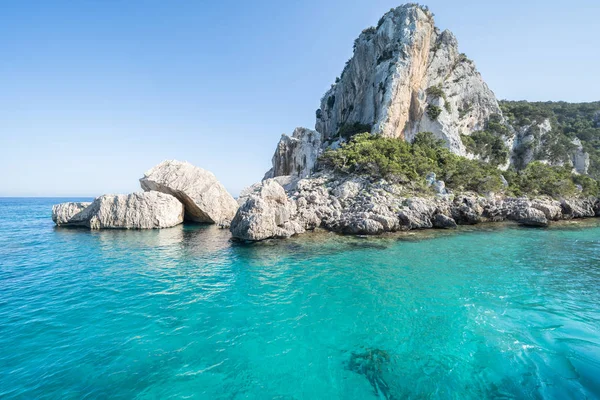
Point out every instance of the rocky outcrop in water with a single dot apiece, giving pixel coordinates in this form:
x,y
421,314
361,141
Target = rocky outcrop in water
x,y
145,210
266,213
70,213
356,205
181,190
203,196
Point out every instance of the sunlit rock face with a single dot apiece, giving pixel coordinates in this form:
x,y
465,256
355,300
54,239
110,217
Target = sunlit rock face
x,y
405,77
203,196
296,155
144,210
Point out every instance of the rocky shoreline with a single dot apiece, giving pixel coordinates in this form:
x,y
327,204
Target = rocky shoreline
x,y
286,206
406,77
283,207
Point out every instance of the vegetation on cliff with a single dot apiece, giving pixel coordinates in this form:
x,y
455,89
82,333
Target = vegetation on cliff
x,y
406,163
568,121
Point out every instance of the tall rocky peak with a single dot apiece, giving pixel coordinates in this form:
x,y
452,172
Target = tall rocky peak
x,y
407,77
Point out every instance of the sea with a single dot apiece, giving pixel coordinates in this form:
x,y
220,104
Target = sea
x,y
493,311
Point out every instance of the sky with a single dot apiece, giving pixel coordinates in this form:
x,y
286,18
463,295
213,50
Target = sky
x,y
95,92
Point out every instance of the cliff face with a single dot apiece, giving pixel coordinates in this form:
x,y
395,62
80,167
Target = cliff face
x,y
296,155
407,77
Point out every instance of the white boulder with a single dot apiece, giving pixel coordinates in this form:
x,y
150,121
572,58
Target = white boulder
x,y
203,196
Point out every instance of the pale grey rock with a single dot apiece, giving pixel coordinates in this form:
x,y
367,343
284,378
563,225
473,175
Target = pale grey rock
x,y
441,221
580,159
145,210
467,210
528,142
578,208
355,205
348,190
69,213
203,196
532,141
551,208
266,213
384,84
531,217
296,155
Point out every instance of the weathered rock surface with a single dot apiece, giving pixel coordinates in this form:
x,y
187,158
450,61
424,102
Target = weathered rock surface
x,y
385,84
145,210
69,213
266,213
296,155
356,205
204,198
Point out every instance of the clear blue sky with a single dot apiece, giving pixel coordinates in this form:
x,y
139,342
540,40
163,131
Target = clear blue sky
x,y
95,92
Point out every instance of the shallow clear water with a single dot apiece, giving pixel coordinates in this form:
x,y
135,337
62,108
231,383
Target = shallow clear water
x,y
492,312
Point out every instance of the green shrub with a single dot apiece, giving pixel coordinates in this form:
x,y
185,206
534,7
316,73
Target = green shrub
x,y
348,130
330,101
396,159
381,157
486,145
433,112
437,92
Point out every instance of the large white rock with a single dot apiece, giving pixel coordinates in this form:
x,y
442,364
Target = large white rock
x,y
385,84
266,213
69,213
144,210
203,196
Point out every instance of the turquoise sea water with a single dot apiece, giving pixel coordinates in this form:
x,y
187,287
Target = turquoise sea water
x,y
485,313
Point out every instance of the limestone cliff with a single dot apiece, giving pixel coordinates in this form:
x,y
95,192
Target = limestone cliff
x,y
407,77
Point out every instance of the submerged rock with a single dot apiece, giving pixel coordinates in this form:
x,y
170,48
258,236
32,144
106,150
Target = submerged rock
x,y
203,196
372,364
144,210
69,213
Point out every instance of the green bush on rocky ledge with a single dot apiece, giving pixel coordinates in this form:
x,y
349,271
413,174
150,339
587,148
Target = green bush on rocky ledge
x,y
406,163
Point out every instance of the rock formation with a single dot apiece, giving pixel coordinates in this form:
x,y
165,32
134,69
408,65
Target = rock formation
x,y
266,213
176,183
203,196
145,210
69,213
297,155
356,205
407,77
